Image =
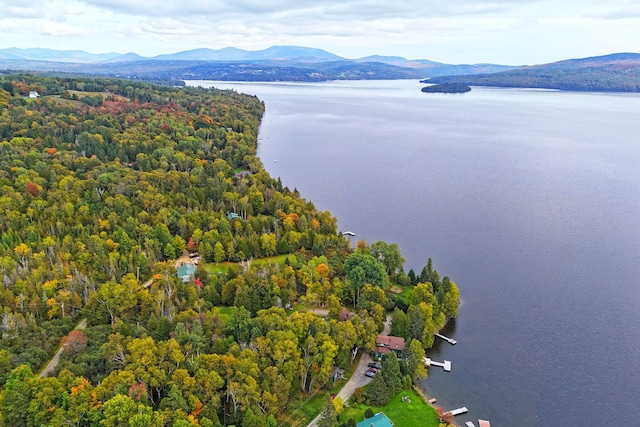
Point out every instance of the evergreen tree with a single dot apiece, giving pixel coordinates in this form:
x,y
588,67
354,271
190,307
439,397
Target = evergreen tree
x,y
378,392
412,275
390,373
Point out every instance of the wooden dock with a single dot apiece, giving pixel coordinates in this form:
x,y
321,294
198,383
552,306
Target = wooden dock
x,y
447,339
446,365
484,423
459,411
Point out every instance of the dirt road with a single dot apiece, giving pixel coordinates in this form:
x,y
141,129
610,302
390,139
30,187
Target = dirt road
x,y
56,358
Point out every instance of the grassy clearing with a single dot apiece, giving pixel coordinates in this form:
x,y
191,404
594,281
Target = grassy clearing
x,y
222,310
306,410
415,412
224,267
82,94
310,406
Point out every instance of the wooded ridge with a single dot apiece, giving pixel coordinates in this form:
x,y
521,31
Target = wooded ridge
x,y
609,73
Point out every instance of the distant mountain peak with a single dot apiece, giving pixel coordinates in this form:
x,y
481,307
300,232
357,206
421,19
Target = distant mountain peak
x,y
45,54
127,57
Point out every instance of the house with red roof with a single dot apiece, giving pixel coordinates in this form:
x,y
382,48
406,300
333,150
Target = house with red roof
x,y
389,344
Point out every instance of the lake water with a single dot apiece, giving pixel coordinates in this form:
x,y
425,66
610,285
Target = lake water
x,y
528,199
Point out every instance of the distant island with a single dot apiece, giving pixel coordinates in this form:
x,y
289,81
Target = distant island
x,y
446,88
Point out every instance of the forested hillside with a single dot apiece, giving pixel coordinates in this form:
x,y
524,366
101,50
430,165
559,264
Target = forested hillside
x,y
610,73
103,185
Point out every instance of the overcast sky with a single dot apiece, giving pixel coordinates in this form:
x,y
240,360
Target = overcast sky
x,y
452,31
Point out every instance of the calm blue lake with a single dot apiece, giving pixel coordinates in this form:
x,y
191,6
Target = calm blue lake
x,y
528,199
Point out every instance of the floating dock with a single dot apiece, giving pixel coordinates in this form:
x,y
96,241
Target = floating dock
x,y
459,411
447,339
470,424
446,365
484,423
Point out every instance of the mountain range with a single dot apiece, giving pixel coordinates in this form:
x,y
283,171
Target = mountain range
x,y
614,72
291,63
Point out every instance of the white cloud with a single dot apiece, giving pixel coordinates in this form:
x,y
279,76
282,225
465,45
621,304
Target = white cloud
x,y
496,30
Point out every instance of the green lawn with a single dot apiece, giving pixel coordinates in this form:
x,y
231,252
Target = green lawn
x,y
413,413
223,267
222,310
304,411
310,406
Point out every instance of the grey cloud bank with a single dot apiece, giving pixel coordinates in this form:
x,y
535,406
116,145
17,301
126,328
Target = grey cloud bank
x,y
508,32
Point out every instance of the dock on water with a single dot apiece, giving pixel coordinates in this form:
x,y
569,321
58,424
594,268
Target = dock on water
x,y
446,365
459,411
484,423
469,424
447,339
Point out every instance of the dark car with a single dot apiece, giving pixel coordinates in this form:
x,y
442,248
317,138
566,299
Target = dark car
x,y
375,365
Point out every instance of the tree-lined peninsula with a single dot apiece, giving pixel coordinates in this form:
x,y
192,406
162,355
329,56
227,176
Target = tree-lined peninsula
x,y
211,293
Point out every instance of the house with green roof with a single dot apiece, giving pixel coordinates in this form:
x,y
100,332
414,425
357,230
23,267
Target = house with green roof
x,y
378,420
186,272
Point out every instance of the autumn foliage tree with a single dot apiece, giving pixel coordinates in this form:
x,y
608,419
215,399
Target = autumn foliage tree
x,y
75,342
32,188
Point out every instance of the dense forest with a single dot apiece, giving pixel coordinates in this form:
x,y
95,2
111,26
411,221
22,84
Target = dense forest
x,y
104,184
254,71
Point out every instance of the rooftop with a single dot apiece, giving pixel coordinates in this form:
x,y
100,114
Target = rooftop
x,y
345,314
378,420
391,342
186,270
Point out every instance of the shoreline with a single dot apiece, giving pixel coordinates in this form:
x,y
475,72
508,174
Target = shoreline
x,y
416,388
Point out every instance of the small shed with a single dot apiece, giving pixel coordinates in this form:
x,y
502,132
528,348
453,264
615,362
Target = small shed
x,y
337,373
33,94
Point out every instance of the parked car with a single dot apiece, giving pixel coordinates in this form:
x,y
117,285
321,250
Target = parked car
x,y
371,372
375,365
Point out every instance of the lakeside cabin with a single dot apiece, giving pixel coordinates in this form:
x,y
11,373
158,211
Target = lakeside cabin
x,y
389,344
